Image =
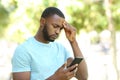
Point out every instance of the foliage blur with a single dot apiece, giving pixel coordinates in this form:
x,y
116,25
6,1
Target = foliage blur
x,y
19,19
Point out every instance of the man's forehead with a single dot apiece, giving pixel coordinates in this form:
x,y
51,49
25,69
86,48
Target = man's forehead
x,y
56,18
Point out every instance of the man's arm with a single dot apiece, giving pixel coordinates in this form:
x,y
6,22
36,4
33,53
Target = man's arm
x,y
82,73
21,75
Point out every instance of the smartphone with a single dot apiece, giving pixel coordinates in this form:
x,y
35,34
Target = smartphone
x,y
75,61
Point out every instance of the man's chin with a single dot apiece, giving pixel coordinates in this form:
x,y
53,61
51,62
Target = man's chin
x,y
51,40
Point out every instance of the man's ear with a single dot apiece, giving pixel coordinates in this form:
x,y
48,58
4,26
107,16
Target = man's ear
x,y
42,22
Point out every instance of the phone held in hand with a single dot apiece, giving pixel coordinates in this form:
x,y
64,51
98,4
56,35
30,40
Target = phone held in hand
x,y
75,61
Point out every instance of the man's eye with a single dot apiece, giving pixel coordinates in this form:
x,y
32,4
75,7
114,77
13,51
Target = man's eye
x,y
55,26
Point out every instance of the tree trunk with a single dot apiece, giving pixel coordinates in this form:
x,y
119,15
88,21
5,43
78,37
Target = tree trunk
x,y
113,34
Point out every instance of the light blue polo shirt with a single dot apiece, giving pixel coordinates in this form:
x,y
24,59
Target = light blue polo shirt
x,y
42,60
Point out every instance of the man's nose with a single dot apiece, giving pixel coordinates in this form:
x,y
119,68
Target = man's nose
x,y
58,30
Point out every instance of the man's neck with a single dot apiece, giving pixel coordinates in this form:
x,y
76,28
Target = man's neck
x,y
39,37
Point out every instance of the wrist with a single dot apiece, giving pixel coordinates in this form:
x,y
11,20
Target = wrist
x,y
79,57
72,41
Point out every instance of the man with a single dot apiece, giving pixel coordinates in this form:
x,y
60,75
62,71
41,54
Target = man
x,y
41,58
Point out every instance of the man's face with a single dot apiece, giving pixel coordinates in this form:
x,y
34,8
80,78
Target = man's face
x,y
46,34
52,27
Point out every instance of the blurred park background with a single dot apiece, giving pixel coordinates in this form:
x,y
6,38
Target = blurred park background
x,y
98,32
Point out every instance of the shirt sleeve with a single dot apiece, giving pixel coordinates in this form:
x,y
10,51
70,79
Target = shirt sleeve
x,y
67,54
21,60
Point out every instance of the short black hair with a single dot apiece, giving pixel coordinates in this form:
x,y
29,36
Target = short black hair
x,y
50,11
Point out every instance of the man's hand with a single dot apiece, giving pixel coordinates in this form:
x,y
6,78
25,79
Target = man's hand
x,y
70,31
64,73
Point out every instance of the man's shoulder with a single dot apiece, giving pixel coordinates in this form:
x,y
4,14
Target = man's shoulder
x,y
25,44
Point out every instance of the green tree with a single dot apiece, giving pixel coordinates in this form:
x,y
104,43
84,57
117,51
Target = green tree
x,y
5,10
91,15
4,18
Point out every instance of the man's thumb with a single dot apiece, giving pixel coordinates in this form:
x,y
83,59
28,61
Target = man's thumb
x,y
64,65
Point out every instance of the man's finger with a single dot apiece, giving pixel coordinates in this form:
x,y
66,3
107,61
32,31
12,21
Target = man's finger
x,y
65,67
75,71
66,26
72,67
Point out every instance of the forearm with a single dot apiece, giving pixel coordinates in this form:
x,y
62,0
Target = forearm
x,y
71,36
82,72
51,78
76,50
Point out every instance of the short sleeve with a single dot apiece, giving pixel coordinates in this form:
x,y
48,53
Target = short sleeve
x,y
67,54
21,60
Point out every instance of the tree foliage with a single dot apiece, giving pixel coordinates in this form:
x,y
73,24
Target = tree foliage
x,y
92,15
3,19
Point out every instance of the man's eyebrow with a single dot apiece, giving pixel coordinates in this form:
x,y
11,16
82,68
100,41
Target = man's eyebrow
x,y
60,26
56,24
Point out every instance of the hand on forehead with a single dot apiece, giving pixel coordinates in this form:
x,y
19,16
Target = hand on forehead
x,y
66,24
